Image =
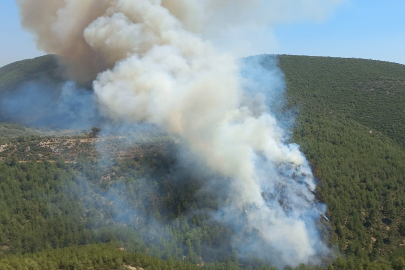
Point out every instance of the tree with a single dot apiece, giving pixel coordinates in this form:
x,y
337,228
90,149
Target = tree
x,y
95,131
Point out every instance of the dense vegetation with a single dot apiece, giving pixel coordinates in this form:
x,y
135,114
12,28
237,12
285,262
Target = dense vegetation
x,y
103,256
371,93
351,126
65,204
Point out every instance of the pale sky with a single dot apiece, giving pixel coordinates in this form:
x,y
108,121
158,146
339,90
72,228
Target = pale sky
x,y
370,29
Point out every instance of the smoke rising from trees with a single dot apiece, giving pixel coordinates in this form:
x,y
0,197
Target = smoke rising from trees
x,y
162,62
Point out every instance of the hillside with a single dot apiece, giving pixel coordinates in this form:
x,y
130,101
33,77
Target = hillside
x,y
15,74
371,93
350,125
33,93
57,191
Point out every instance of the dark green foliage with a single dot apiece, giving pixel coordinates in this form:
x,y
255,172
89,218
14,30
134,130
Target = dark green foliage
x,y
369,92
55,192
56,204
350,125
101,256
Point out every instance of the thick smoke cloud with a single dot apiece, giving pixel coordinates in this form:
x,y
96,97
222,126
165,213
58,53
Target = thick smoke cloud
x,y
158,62
58,26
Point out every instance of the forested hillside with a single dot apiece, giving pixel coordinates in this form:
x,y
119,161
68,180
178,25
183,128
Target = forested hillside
x,y
371,93
85,200
351,126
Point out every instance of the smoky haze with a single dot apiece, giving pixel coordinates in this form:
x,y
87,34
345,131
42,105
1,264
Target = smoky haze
x,y
173,64
44,103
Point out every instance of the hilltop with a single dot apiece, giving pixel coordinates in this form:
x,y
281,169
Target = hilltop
x,y
15,74
369,92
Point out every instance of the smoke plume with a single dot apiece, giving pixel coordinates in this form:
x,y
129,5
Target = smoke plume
x,y
172,63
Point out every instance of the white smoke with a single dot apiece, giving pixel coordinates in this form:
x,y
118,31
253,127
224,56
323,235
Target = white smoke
x,y
159,62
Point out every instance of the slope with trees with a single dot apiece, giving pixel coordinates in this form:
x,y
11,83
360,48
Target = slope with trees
x,y
59,199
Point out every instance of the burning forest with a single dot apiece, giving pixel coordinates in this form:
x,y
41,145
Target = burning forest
x,y
161,134
174,66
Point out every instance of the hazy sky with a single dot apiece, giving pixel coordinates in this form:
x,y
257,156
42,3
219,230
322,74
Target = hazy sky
x,y
371,29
